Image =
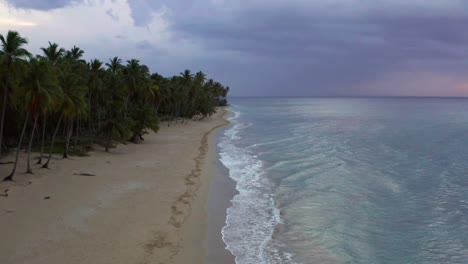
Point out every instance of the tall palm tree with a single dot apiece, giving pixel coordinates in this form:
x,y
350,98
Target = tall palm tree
x,y
95,72
74,102
132,77
71,105
38,88
53,53
142,113
11,50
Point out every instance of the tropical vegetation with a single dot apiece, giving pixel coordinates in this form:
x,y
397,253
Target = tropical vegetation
x,y
59,103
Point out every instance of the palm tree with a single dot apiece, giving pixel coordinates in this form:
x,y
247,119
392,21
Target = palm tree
x,y
64,90
95,72
114,65
113,128
46,165
53,53
74,102
12,50
142,113
39,87
12,174
132,77
71,105
75,54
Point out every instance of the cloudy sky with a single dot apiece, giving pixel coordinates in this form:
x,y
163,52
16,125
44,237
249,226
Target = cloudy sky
x,y
268,47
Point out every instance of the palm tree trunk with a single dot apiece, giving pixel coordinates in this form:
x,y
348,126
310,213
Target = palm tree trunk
x,y
46,165
29,170
126,106
12,174
69,134
109,140
77,134
43,138
5,97
99,117
157,108
89,111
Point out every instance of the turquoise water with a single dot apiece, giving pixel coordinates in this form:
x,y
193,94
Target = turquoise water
x,y
348,180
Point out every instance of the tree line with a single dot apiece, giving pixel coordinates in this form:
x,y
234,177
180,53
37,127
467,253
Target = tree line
x,y
57,102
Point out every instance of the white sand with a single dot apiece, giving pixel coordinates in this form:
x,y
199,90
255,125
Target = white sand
x,y
146,203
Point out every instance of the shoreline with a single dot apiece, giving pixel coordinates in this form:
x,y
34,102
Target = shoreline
x,y
222,191
143,206
198,236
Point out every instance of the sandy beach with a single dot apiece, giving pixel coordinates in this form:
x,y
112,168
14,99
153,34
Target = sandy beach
x,y
145,204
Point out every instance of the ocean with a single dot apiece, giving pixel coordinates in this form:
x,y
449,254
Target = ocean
x,y
347,180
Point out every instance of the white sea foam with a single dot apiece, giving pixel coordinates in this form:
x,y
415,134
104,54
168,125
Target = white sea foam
x,y
252,218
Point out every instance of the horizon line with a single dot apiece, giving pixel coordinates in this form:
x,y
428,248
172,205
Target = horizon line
x,y
345,96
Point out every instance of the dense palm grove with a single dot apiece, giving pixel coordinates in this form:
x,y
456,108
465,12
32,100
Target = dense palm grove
x,y
58,102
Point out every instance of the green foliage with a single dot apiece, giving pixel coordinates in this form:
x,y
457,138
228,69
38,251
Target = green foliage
x,y
143,117
73,102
81,103
12,47
53,53
38,87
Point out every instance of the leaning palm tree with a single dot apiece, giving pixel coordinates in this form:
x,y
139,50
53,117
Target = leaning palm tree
x,y
71,104
39,86
20,141
11,50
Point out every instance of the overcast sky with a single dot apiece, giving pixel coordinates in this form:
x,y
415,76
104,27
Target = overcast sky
x,y
268,47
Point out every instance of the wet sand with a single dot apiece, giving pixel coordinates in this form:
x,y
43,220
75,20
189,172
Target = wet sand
x,y
222,190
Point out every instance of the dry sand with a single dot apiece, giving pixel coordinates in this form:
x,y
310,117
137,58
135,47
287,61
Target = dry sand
x,y
146,204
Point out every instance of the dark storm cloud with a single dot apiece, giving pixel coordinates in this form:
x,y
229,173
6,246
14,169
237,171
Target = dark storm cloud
x,y
330,46
320,47
41,4
295,35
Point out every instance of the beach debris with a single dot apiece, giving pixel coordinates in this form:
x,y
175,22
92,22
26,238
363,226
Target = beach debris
x,y
84,174
47,198
6,162
5,193
8,211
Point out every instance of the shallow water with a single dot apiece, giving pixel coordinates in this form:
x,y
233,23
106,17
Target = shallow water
x,y
348,180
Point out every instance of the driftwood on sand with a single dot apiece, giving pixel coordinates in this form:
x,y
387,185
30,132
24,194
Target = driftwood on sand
x,y
84,174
